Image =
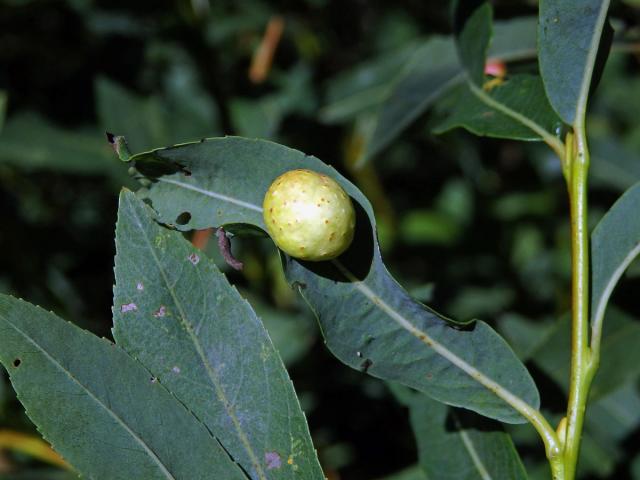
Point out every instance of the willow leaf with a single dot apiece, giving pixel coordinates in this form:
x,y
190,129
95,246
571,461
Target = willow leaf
x,y
98,407
457,445
473,37
569,35
368,320
177,313
615,243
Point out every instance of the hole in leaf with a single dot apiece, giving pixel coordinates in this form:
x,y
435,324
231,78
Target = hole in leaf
x,y
17,362
183,218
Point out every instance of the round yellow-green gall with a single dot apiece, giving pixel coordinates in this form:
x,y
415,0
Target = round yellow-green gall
x,y
308,215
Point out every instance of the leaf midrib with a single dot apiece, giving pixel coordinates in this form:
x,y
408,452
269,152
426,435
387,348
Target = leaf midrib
x,y
209,193
471,449
111,413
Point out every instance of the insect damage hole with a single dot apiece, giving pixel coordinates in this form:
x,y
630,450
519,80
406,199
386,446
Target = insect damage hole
x,y
17,362
183,218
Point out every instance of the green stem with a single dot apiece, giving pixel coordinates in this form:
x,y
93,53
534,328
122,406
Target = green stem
x,y
582,367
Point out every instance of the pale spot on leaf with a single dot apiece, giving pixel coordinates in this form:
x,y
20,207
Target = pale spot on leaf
x,y
273,460
128,307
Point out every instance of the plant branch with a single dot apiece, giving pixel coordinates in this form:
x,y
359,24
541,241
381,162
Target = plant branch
x,y
582,368
576,166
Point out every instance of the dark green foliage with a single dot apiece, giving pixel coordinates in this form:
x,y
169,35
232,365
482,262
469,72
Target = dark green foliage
x,y
569,34
367,319
475,227
101,409
203,341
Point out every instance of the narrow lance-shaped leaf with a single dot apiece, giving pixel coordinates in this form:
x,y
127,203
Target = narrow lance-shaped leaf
x,y
100,408
365,85
368,320
435,70
176,312
458,445
32,143
516,108
615,242
569,34
524,93
473,32
432,71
